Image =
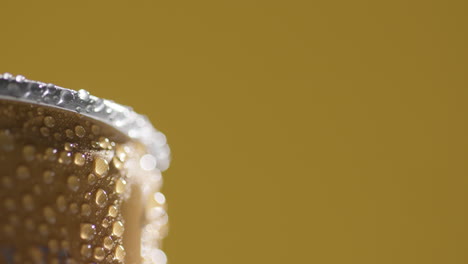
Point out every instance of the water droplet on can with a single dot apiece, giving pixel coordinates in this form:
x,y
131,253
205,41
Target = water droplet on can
x,y
119,253
101,197
28,202
28,152
91,179
79,159
86,250
101,167
99,105
69,133
120,186
73,183
49,214
85,209
49,121
73,208
83,95
117,229
99,253
50,154
65,97
44,131
108,243
48,176
61,203
80,131
65,157
112,211
87,231
68,146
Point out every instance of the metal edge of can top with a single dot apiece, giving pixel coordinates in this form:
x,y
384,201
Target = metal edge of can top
x,y
123,118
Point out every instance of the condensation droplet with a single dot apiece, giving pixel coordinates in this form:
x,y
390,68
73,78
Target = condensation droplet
x,y
106,223
120,153
99,253
73,183
105,143
40,111
49,214
87,231
20,78
69,133
113,211
61,203
48,176
7,76
85,209
159,198
68,146
7,142
65,157
157,213
91,179
119,253
117,229
101,197
99,105
65,97
49,121
79,159
101,167
120,186
86,251
80,131
50,154
108,243
28,202
117,163
29,152
148,162
44,131
22,172
83,95
73,208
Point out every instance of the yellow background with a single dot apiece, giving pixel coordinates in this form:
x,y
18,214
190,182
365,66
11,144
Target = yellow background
x,y
302,131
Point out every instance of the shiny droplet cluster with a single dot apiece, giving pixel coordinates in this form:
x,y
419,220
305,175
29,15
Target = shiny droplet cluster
x,y
64,189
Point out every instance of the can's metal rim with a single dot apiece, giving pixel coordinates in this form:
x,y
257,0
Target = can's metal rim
x,y
121,117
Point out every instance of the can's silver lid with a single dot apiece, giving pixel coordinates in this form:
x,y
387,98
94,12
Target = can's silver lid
x,y
121,117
